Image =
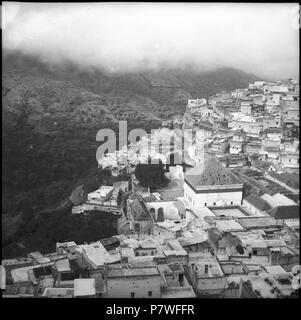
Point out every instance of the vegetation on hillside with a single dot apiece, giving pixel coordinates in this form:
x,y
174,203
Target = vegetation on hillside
x,y
51,115
290,179
151,175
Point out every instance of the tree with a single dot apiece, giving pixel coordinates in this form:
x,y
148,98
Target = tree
x,y
151,175
119,196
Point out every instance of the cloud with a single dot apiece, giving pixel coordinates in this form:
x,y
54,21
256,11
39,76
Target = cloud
x,y
258,38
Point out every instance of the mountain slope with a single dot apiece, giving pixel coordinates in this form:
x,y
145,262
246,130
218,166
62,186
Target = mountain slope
x,y
156,91
50,117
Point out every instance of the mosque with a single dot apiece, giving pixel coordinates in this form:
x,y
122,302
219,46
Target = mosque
x,y
211,184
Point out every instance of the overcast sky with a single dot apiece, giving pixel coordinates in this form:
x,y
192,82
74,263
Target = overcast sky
x,y
258,38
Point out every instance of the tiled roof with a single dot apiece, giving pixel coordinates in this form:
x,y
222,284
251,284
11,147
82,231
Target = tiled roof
x,y
210,173
257,202
285,212
294,197
139,212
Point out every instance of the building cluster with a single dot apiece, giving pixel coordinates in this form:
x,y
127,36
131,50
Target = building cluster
x,y
261,120
202,235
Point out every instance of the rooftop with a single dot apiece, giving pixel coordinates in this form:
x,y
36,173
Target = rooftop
x,y
271,285
258,202
274,269
209,173
285,212
177,292
258,222
208,269
132,272
58,292
232,268
228,225
84,287
228,211
97,255
62,265
282,199
270,200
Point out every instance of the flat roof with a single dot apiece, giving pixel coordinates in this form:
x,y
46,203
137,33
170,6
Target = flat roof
x,y
229,225
58,292
175,253
212,266
274,269
84,287
62,265
202,212
264,285
132,272
177,292
257,222
232,267
21,274
229,212
97,255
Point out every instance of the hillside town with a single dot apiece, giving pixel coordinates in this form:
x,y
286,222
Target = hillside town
x,y
226,225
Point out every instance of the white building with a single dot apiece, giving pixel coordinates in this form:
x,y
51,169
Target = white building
x,y
84,287
211,183
133,282
194,103
206,276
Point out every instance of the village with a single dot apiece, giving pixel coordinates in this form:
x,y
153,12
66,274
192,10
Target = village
x,y
225,226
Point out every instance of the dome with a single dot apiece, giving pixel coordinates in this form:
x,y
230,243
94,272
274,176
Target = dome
x,y
172,213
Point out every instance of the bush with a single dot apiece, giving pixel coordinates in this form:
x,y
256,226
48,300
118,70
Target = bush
x,y
151,175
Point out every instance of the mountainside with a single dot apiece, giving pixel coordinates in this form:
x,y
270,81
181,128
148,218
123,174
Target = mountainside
x,y
160,93
51,114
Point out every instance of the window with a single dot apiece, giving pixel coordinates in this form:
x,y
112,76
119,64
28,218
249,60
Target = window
x,y
255,252
205,204
132,294
150,293
231,202
214,203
